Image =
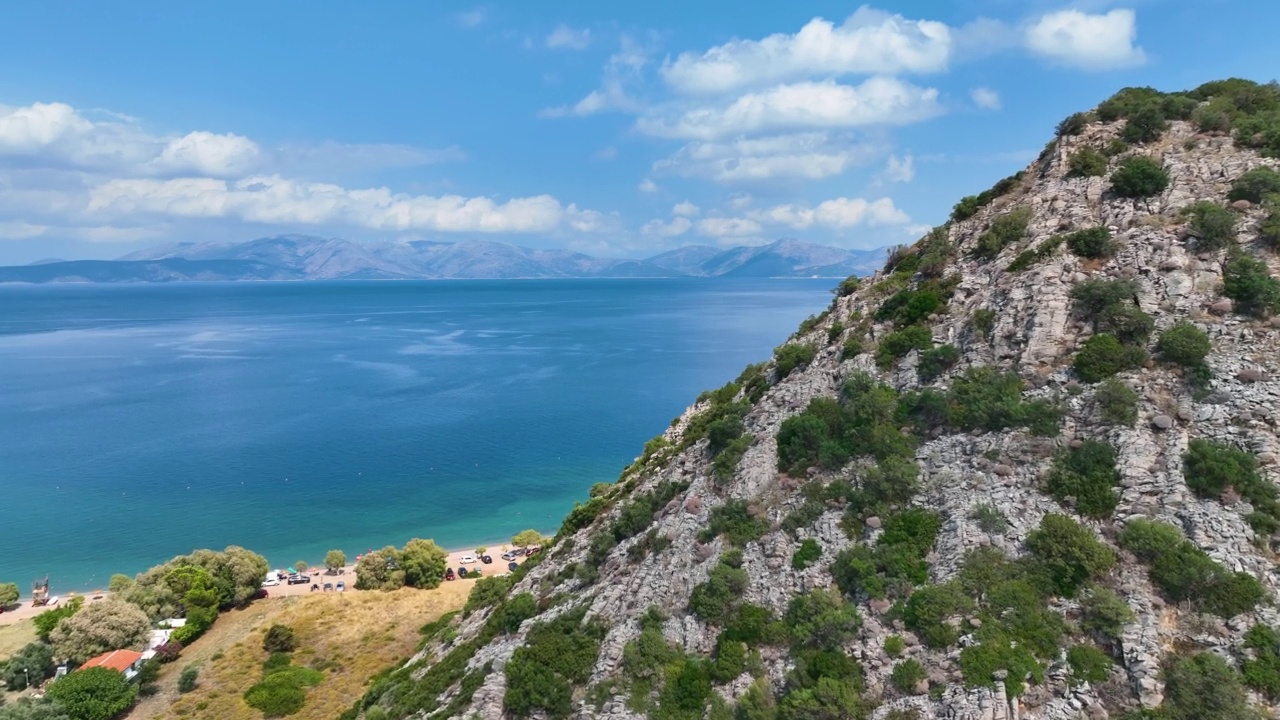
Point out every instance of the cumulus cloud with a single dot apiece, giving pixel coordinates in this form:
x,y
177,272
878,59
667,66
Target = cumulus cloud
x,y
648,186
729,227
205,153
806,105
686,209
622,70
985,98
898,170
868,42
835,214
806,156
1089,42
565,37
659,228
274,200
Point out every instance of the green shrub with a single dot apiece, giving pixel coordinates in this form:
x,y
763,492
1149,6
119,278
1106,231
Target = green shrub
x,y
928,609
1145,124
906,674
1184,344
1269,229
188,679
1248,282
276,661
807,554
1260,131
1088,473
730,662
894,645
279,638
96,693
935,361
29,666
1027,258
46,621
556,657
896,345
715,599
1203,686
282,692
1005,230
896,562
1073,124
835,330
1087,162
990,520
1185,573
848,286
997,651
821,620
1118,403
851,348
726,461
1088,664
1210,468
1068,554
1091,243
792,356
908,307
1139,177
1111,306
1212,226
1103,355
983,321
1104,612
971,204
1262,671
736,521
1255,185
1115,147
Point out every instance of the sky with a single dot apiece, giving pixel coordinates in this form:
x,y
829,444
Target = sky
x,y
607,128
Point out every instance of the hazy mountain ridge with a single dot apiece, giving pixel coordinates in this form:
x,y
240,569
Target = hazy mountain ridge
x,y
859,529
304,257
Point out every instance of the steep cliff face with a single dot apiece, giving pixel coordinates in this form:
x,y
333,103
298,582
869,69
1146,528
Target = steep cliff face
x,y
937,501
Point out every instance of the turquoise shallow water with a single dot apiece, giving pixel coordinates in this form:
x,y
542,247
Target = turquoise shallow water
x,y
139,422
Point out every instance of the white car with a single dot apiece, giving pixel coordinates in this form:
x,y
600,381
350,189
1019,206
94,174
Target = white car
x,y
271,582
467,559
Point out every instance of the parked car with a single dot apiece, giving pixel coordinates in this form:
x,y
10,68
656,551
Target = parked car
x,y
508,556
462,572
341,586
261,593
467,559
533,550
328,587
518,551
271,582
512,566
448,574
299,579
486,559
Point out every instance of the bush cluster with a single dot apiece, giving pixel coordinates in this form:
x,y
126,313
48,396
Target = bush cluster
x,y
1029,257
1103,355
898,344
1255,185
1249,283
971,204
1262,671
1139,177
1117,402
1203,686
1185,573
983,321
736,520
829,432
1068,554
1122,327
806,555
936,361
1088,664
1005,230
792,356
906,674
557,656
897,562
1104,612
1087,473
1087,162
1211,467
1212,226
1091,243
1184,344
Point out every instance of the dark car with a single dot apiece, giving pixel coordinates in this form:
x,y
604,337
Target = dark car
x,y
328,587
462,572
448,574
261,593
486,559
299,579
518,551
512,566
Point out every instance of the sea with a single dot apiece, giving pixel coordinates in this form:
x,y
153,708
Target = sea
x,y
139,422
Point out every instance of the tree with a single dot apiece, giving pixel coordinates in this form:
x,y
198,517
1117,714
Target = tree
x,y
335,560
8,594
96,693
1069,553
29,708
28,666
279,639
236,575
1248,281
301,566
1139,177
49,619
423,563
1204,686
380,570
109,624
1184,344
119,583
525,538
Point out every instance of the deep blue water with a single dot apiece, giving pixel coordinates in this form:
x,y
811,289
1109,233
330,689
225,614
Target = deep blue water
x,y
140,422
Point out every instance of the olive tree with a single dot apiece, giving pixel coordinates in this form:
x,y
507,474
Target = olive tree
x,y
96,693
380,570
28,666
335,560
525,538
109,624
8,594
423,563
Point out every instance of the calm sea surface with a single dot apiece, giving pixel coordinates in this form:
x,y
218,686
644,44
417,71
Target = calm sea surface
x,y
140,422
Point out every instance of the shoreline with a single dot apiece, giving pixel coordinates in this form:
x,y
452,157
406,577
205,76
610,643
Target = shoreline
x,y
25,610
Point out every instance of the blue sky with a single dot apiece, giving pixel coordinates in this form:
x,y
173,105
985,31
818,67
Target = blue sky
x,y
610,128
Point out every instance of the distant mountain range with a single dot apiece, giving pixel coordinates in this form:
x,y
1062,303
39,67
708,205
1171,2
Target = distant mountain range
x,y
304,257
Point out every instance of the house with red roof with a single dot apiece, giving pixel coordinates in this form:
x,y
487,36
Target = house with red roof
x,y
126,662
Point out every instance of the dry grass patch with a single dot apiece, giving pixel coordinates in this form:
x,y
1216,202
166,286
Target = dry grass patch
x,y
15,637
349,637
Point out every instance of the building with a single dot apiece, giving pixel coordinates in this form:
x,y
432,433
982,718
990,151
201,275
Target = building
x,y
127,662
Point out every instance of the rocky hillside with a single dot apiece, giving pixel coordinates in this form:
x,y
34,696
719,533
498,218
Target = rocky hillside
x,y
1025,471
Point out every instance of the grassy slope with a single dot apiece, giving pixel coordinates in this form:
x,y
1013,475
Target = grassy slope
x,y
354,634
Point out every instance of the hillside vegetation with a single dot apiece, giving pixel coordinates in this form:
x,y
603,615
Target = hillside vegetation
x,y
1027,470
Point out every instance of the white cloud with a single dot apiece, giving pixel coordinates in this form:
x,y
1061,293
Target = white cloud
x,y
659,228
204,153
686,209
568,38
21,230
729,227
826,105
623,69
274,200
898,170
1088,42
807,156
55,135
985,98
474,17
835,214
868,42
647,186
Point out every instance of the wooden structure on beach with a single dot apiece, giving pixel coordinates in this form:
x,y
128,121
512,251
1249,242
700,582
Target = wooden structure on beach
x,y
40,592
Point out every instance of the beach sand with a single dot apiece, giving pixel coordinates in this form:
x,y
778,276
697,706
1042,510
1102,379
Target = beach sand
x,y
25,611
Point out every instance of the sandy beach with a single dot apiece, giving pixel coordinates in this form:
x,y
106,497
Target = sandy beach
x,y
347,575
